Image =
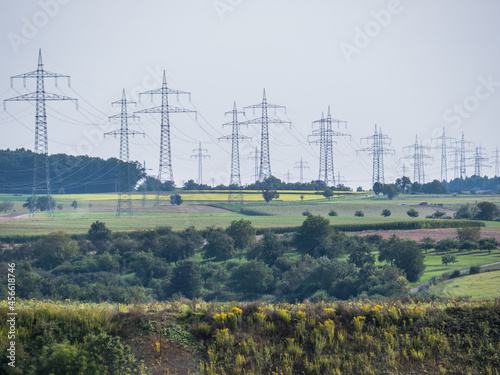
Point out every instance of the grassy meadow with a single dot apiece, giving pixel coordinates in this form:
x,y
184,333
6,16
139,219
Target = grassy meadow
x,y
205,209
482,286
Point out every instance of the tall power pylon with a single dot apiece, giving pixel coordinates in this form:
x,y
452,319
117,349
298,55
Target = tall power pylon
x,y
235,139
41,160
324,137
380,146
288,176
301,165
497,162
445,142
165,171
145,187
419,156
479,161
462,148
124,204
264,121
340,179
254,155
200,156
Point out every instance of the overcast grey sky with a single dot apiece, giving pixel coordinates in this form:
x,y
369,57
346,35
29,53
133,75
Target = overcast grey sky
x,y
411,67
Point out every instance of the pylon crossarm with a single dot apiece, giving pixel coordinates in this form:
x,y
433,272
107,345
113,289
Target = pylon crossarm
x,y
160,109
120,116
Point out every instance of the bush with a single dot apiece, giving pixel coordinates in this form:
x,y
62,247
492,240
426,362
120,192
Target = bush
x,y
412,212
386,213
359,213
306,213
333,213
474,270
455,274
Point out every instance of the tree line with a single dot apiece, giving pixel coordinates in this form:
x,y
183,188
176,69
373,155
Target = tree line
x,y
68,174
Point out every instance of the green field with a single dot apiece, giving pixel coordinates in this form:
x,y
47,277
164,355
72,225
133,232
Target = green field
x,y
434,267
480,286
202,213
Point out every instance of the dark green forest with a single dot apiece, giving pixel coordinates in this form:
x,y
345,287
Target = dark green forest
x,y
68,174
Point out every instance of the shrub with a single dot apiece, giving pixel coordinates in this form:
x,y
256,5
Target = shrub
x,y
436,215
474,270
455,274
386,213
359,213
306,213
333,213
412,212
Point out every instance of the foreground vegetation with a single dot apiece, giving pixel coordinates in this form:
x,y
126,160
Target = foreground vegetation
x,y
391,337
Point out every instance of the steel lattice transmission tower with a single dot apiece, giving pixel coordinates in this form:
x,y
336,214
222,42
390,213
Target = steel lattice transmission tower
x,y
165,171
254,155
200,156
124,204
445,141
324,137
461,149
380,146
41,160
235,139
301,165
264,121
497,162
479,161
419,156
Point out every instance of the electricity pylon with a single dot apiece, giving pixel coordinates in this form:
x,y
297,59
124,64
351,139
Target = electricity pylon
x,y
254,155
40,96
419,155
301,165
445,141
165,171
288,176
145,187
461,149
324,137
264,121
200,156
235,138
380,146
497,162
340,179
479,159
124,204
